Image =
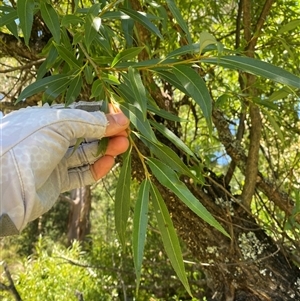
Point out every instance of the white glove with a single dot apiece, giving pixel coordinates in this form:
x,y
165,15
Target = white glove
x,y
38,161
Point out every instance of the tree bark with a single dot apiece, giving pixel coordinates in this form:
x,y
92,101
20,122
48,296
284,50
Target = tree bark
x,y
79,217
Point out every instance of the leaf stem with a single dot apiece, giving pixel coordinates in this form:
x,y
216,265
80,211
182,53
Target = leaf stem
x,y
141,157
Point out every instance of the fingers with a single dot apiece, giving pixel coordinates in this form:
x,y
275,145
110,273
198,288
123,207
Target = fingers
x,y
116,146
117,123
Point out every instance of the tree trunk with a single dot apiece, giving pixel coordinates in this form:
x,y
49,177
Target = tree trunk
x,y
79,216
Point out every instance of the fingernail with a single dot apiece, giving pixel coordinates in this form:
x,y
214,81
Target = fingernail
x,y
120,119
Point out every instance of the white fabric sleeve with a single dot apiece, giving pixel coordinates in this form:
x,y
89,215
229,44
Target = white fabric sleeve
x,y
37,161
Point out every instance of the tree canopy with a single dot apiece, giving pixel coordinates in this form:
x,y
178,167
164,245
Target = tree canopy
x,y
212,93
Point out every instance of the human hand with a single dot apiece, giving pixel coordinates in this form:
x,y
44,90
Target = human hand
x,y
39,161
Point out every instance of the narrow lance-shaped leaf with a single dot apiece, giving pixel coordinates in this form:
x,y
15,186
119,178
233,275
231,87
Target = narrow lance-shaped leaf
x,y
256,67
169,236
138,89
195,86
167,155
6,19
173,138
137,119
275,125
122,197
67,55
178,17
126,54
54,89
140,222
167,177
74,89
25,10
139,17
43,84
50,17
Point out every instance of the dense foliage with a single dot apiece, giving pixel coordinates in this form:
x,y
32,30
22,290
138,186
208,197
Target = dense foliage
x,y
212,93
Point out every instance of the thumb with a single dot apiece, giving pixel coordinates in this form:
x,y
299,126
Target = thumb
x,y
117,123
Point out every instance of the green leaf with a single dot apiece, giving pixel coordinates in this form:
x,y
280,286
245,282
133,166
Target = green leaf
x,y
25,10
165,114
138,89
173,138
280,94
127,26
256,67
97,88
102,146
196,88
54,89
50,17
71,20
43,84
167,155
13,28
126,54
191,48
169,236
88,73
137,119
178,17
275,125
90,31
167,177
206,39
140,18
122,197
73,90
140,222
67,56
172,79
6,19
289,26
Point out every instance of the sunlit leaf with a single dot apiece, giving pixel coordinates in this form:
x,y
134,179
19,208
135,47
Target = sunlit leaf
x,y
126,54
25,10
289,26
178,17
206,39
256,67
275,125
50,17
140,18
122,197
140,222
169,236
168,177
196,88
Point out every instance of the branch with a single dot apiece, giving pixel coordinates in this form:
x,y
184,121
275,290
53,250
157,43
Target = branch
x,y
236,152
11,287
259,25
253,156
27,66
